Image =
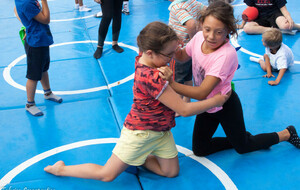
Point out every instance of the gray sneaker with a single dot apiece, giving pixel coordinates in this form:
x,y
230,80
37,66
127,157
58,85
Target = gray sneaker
x,y
33,110
50,96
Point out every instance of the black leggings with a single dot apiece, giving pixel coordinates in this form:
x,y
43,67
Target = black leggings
x,y
112,10
232,120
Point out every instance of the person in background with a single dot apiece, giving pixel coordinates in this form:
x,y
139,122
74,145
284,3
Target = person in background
x,y
112,10
36,19
278,57
81,7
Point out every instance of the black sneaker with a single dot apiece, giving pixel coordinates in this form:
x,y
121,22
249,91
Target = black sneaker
x,y
294,138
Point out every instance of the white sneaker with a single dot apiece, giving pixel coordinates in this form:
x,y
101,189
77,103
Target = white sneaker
x,y
84,9
77,6
98,15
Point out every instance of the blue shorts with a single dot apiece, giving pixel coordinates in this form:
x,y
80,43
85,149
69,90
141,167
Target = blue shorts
x,y
38,60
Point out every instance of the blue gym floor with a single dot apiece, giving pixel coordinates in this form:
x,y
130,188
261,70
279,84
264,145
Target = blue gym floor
x,y
97,96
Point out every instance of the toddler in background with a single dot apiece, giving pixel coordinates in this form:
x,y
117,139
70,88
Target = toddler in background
x,y
278,57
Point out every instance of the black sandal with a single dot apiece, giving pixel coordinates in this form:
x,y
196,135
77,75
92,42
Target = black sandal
x,y
294,138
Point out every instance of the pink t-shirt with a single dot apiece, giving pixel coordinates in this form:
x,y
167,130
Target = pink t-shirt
x,y
221,63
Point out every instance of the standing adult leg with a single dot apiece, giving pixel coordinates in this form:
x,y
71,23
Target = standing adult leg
x,y
116,25
107,10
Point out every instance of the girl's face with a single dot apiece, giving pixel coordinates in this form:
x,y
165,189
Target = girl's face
x,y
214,33
164,57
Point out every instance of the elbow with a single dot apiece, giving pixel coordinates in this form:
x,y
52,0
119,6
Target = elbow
x,y
47,21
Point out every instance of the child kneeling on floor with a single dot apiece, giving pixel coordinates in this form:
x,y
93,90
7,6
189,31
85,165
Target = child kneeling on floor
x,y
146,139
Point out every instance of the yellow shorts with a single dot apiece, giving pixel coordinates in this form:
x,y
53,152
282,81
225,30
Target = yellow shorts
x,y
134,146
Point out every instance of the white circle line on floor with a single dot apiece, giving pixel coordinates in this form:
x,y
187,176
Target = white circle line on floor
x,y
217,171
71,19
235,43
8,78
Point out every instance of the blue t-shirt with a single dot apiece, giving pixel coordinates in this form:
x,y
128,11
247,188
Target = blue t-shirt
x,y
37,34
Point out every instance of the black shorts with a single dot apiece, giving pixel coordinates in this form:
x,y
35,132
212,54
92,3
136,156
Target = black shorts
x,y
38,60
269,21
182,72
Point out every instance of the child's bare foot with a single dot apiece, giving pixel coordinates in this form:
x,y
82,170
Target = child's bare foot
x,y
55,169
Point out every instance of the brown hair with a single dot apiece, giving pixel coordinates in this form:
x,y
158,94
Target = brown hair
x,y
272,37
223,12
154,37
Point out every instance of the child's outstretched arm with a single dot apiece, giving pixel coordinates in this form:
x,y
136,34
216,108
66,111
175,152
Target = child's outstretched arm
x,y
44,16
278,79
172,100
195,92
268,67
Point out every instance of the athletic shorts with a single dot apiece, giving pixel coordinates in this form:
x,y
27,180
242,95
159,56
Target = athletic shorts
x,y
269,21
182,72
134,146
38,60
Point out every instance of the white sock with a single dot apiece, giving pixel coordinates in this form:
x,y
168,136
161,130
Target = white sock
x,y
255,59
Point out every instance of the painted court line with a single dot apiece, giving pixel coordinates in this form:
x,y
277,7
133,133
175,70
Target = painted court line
x,y
7,76
217,171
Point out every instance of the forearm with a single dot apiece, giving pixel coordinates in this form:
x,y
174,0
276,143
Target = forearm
x,y
285,12
191,27
268,64
195,108
242,25
45,10
16,14
280,75
188,91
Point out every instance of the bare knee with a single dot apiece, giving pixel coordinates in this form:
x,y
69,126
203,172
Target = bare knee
x,y
105,177
284,26
172,173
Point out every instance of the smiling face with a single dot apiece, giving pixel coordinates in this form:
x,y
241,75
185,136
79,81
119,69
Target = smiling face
x,y
214,33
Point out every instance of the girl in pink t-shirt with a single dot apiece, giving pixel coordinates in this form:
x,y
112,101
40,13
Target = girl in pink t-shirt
x,y
214,64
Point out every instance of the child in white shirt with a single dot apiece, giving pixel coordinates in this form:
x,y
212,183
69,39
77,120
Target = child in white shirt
x,y
278,56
